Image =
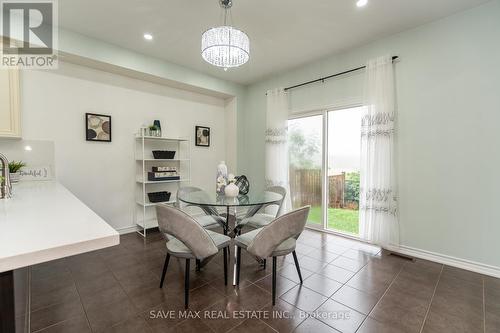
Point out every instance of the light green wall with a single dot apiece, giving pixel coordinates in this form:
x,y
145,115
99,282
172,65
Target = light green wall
x,y
83,50
448,128
85,47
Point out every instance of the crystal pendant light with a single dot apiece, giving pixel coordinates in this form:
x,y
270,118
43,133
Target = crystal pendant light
x,y
225,46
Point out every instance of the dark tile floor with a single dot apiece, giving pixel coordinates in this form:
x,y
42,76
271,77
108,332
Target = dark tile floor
x,y
348,287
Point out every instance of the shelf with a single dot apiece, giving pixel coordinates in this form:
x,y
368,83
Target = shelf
x,y
159,138
163,159
150,204
160,181
144,210
150,223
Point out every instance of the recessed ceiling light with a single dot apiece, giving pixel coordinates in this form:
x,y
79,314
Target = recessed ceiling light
x,y
361,3
148,36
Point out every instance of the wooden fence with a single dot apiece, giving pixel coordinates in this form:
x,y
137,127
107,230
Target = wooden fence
x,y
305,188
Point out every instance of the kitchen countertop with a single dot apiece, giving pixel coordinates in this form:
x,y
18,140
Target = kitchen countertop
x,y
44,221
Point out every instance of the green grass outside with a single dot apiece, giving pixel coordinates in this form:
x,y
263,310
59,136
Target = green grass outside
x,y
345,220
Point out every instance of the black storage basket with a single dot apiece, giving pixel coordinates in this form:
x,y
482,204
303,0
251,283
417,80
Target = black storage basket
x,y
163,154
159,196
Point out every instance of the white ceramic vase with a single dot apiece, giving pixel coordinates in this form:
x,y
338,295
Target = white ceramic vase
x,y
221,177
231,190
14,177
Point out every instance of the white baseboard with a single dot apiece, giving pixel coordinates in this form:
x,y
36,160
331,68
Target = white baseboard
x,y
127,230
448,260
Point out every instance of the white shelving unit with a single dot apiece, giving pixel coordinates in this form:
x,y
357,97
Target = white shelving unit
x,y
145,214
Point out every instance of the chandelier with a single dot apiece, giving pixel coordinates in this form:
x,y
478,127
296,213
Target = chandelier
x,y
225,46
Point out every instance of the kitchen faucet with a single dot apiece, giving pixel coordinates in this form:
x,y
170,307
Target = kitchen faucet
x,y
5,185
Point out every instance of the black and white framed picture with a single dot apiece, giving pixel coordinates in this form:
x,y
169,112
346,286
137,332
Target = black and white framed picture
x,y
202,136
97,127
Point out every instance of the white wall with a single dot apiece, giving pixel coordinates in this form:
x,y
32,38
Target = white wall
x,y
448,137
231,134
102,174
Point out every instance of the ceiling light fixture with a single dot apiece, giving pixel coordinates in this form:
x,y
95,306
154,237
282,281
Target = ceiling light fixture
x,y
225,46
148,36
361,3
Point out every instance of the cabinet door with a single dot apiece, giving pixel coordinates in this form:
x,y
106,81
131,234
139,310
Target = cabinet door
x,y
10,111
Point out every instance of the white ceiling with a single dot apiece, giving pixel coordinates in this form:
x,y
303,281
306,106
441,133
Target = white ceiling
x,y
283,33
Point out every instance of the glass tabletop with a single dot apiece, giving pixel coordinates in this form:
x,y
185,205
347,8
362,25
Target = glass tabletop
x,y
253,198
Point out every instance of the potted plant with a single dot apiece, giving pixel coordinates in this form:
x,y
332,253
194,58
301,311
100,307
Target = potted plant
x,y
14,168
153,130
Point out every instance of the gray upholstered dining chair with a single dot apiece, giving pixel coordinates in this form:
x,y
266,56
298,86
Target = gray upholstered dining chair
x,y
273,240
263,217
207,221
188,240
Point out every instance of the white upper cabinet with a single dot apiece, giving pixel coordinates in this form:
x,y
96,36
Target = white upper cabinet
x,y
10,110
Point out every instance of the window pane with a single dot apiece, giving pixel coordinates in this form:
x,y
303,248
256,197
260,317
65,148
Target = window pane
x,y
305,149
343,169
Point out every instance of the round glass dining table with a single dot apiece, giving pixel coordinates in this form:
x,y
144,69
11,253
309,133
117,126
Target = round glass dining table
x,y
209,202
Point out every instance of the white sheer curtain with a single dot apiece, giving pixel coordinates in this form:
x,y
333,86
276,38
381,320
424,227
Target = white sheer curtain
x,y
378,197
276,142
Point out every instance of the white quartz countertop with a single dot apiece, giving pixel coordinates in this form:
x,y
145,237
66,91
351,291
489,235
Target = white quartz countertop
x,y
43,221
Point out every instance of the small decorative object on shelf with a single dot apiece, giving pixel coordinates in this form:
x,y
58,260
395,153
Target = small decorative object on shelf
x,y
162,196
221,178
243,184
163,154
163,169
143,131
14,168
167,173
154,131
158,127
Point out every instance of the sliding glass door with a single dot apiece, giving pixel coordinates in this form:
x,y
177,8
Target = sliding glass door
x,y
343,170
324,168
305,146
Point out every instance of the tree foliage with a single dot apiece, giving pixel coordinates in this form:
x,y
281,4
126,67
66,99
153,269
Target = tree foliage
x,y
304,150
352,187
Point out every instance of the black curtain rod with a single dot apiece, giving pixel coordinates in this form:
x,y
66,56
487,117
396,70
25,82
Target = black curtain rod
x,y
331,76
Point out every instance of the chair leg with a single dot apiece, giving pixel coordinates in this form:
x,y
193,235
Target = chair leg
x,y
186,284
274,280
198,265
297,265
264,263
238,264
165,265
225,265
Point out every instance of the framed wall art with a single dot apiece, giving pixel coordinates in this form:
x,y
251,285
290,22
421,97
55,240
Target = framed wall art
x,y
202,136
97,127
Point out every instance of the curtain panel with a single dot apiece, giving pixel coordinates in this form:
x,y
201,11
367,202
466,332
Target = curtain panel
x,y
378,209
277,142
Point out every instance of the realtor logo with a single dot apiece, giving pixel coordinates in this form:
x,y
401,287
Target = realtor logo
x,y
29,34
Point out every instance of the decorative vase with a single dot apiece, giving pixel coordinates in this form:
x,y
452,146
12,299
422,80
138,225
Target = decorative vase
x,y
158,127
221,177
231,190
14,177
